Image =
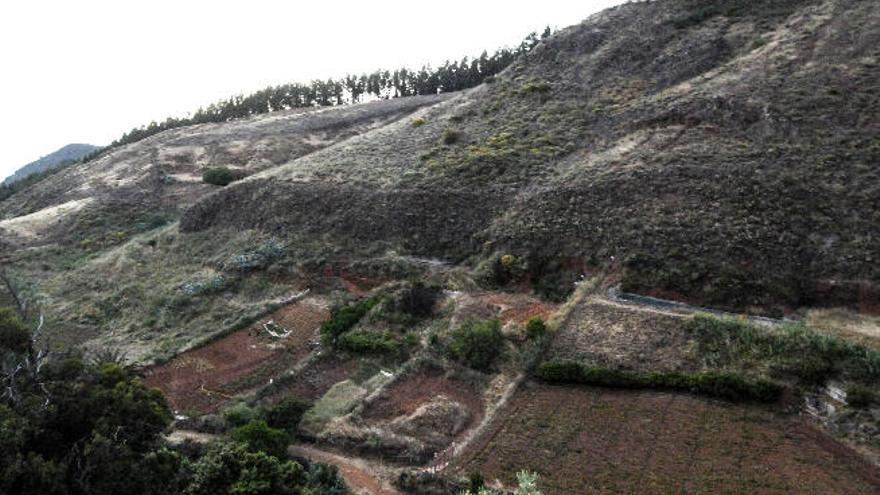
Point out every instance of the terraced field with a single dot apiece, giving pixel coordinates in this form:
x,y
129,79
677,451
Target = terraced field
x,y
202,380
585,440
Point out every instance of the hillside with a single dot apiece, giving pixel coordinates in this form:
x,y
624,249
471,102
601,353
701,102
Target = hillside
x,y
619,143
64,154
660,222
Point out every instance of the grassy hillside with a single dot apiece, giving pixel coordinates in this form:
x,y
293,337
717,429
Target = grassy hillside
x,y
720,151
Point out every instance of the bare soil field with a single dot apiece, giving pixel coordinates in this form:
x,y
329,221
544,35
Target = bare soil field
x,y
408,394
203,379
585,440
316,378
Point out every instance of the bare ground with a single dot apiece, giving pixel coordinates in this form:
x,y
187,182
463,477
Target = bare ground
x,y
583,440
204,379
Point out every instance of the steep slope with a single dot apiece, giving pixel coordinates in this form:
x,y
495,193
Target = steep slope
x,y
64,154
159,176
720,151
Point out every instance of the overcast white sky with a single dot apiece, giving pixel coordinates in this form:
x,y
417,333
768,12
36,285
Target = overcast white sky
x,y
86,71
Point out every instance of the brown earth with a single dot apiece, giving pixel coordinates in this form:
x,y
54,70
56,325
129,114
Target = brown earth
x,y
316,378
203,379
413,391
585,440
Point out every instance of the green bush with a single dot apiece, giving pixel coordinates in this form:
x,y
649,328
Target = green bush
x,y
219,176
449,136
477,343
287,413
365,341
14,334
535,328
711,383
240,414
345,318
260,437
860,396
418,122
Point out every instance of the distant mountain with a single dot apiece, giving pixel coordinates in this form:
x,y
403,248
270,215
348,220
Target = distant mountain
x,y
70,152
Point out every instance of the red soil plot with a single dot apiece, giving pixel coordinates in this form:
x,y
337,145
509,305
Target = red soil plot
x,y
406,395
203,379
583,440
315,379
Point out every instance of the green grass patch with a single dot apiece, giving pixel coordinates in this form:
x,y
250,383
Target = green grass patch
x,y
725,385
788,350
345,318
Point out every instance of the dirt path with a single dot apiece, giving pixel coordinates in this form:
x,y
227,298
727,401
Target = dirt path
x,y
361,476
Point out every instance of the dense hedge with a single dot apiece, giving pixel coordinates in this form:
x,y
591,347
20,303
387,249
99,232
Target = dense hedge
x,y
711,383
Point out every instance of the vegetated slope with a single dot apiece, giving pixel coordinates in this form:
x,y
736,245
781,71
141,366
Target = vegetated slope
x,y
64,154
722,151
161,175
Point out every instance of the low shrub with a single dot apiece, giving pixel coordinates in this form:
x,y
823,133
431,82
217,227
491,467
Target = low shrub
x,y
345,318
260,437
418,122
212,285
219,176
536,87
535,328
365,341
449,136
724,385
287,413
860,396
477,343
258,258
